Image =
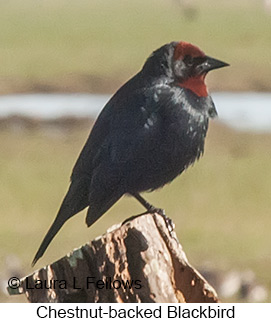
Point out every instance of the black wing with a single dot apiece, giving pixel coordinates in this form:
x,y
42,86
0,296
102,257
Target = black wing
x,y
125,133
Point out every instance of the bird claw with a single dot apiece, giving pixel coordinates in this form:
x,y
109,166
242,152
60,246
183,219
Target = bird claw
x,y
168,222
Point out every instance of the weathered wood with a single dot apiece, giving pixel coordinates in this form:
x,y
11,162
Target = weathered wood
x,y
140,253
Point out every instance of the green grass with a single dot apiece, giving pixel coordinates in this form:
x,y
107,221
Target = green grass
x,y
65,44
221,205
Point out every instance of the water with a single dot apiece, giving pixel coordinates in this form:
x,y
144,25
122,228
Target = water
x,y
243,111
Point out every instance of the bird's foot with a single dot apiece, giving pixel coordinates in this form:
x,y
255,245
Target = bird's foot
x,y
168,222
152,209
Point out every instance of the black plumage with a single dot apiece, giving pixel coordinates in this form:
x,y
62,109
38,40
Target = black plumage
x,y
148,133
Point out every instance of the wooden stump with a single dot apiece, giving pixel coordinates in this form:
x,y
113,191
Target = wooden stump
x,y
138,261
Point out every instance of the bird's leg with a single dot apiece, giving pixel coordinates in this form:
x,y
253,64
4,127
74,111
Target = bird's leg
x,y
152,209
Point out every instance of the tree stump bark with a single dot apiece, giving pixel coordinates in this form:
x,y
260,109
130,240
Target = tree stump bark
x,y
137,261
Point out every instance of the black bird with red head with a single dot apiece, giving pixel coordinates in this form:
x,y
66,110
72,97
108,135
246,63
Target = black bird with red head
x,y
148,133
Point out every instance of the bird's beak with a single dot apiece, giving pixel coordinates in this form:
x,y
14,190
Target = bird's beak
x,y
209,64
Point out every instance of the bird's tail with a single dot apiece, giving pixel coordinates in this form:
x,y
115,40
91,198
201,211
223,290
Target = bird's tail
x,y
55,227
75,201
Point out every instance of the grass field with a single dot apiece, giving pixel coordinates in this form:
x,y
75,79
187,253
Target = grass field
x,y
221,206
96,45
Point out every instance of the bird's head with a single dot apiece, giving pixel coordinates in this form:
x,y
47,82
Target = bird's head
x,y
184,64
191,65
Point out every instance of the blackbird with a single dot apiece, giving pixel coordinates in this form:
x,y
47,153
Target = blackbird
x,y
148,133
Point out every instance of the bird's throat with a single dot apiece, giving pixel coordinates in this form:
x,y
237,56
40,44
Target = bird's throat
x,y
196,84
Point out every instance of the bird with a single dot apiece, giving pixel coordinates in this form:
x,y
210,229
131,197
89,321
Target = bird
x,y
150,131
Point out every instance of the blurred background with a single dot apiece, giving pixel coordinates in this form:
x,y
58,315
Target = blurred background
x,y
60,62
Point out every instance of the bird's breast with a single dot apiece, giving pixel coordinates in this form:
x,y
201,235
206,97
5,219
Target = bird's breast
x,y
183,135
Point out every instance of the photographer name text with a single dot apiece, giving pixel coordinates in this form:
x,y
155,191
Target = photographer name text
x,y
85,283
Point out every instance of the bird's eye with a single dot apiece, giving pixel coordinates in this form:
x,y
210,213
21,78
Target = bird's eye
x,y
188,60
